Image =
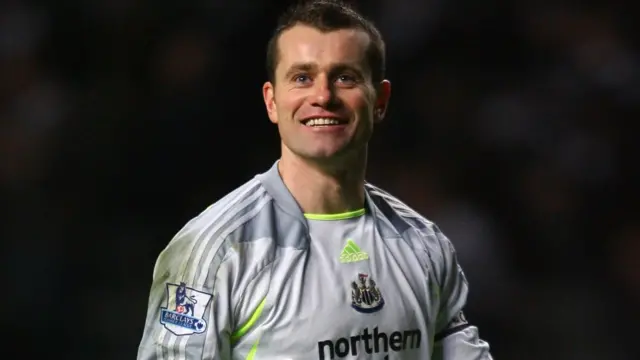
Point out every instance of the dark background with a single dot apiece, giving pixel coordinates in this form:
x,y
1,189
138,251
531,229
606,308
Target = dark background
x,y
511,126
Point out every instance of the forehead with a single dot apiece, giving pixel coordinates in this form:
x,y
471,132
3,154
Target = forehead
x,y
305,44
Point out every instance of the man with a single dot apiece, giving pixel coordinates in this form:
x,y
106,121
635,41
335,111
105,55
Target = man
x,y
307,261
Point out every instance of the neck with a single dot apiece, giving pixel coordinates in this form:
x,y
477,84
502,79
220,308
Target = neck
x,y
321,189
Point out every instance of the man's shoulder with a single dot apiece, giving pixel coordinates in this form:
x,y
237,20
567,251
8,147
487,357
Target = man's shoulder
x,y
208,234
234,208
217,220
415,229
398,212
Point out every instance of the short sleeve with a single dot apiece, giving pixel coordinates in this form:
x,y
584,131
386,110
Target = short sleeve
x,y
456,338
188,311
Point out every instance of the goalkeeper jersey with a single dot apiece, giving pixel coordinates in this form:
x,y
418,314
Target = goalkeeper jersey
x,y
253,277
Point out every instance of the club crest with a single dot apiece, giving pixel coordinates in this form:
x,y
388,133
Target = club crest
x,y
365,295
184,311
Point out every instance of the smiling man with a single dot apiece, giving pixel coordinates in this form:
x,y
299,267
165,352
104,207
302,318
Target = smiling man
x,y
307,261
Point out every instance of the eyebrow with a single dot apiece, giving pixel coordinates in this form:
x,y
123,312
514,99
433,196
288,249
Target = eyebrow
x,y
309,67
299,67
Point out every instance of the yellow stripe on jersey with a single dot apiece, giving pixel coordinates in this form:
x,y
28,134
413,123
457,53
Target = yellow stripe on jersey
x,y
340,216
247,326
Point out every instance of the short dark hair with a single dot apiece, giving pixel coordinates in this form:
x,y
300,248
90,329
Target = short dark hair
x,y
326,16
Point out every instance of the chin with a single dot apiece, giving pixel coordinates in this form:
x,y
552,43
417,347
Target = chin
x,y
327,154
321,156
325,151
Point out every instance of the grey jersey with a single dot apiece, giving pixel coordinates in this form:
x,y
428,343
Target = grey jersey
x,y
252,278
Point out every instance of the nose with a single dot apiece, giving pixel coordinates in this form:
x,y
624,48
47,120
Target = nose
x,y
323,93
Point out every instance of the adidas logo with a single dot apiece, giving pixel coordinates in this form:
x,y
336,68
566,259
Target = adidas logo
x,y
352,253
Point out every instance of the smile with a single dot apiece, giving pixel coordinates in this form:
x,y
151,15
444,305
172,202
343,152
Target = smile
x,y
323,122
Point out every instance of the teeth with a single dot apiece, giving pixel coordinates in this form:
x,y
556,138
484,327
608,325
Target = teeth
x,y
321,122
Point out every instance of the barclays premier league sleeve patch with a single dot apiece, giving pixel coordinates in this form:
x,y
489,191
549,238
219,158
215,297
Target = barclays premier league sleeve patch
x,y
184,310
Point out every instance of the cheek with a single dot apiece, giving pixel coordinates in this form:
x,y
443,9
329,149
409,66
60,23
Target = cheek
x,y
288,102
359,103
360,97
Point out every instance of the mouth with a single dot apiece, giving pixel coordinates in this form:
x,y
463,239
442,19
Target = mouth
x,y
323,121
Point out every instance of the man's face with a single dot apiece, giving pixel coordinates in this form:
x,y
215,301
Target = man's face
x,y
323,99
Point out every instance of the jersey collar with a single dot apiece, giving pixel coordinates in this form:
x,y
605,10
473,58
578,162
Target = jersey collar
x,y
272,181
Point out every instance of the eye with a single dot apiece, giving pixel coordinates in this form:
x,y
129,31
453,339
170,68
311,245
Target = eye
x,y
302,78
347,79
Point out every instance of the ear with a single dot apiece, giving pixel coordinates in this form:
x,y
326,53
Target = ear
x,y
269,101
383,94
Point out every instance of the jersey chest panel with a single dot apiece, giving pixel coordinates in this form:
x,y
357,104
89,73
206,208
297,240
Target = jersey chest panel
x,y
319,307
